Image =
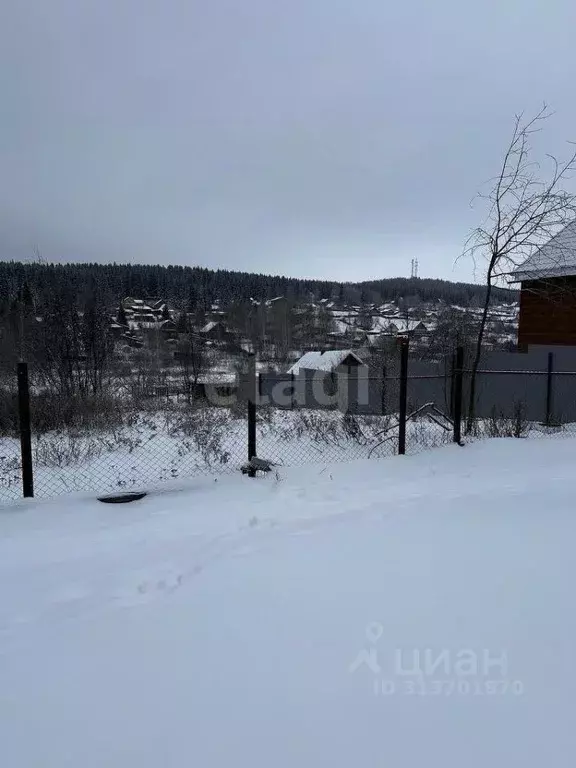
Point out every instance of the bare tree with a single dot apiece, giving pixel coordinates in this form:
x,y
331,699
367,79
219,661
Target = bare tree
x,y
59,351
363,320
527,206
280,327
194,361
323,325
454,327
97,345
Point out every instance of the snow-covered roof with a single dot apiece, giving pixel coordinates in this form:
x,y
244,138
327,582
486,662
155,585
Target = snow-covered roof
x,y
380,324
403,325
557,258
342,313
209,326
340,327
323,361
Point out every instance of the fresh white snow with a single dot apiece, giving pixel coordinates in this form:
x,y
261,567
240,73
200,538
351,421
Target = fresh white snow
x,y
272,622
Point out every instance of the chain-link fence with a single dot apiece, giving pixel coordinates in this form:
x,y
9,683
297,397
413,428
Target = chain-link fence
x,y
111,444
430,405
314,433
137,440
520,403
10,451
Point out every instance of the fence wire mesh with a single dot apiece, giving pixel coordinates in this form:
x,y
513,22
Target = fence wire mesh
x,y
138,440
104,445
320,436
359,417
107,446
429,419
10,469
521,404
10,460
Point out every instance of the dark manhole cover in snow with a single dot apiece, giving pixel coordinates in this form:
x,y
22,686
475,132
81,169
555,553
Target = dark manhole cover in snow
x,y
122,498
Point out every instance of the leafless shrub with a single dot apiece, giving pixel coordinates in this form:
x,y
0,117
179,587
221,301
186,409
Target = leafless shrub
x,y
237,409
312,424
120,439
8,413
204,431
265,415
517,425
425,433
352,428
55,412
10,472
170,416
325,427
476,428
193,420
65,449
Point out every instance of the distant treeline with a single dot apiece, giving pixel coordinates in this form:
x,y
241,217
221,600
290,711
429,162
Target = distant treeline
x,y
193,287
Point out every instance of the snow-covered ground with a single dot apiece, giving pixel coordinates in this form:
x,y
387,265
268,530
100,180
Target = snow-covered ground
x,y
281,621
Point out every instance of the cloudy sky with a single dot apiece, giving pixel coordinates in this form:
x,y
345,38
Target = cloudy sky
x,y
317,138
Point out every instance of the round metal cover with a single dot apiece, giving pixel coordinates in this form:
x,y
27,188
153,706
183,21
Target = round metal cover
x,y
122,498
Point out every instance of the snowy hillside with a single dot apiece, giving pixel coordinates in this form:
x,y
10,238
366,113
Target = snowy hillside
x,y
407,612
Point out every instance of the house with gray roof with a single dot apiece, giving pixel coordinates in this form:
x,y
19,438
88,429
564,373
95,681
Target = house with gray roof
x,y
547,281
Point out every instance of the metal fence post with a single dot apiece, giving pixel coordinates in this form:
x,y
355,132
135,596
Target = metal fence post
x,y
549,392
25,432
252,410
383,393
403,405
450,402
458,383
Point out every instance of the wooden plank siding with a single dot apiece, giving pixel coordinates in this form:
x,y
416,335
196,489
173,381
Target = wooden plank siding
x,y
548,312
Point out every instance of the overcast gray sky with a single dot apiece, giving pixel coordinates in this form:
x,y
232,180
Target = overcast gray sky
x,y
316,138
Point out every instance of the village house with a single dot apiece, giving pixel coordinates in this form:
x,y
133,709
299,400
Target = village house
x,y
145,313
405,327
169,330
118,329
548,292
329,361
215,330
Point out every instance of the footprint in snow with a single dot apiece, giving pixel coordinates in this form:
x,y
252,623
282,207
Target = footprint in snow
x,y
150,588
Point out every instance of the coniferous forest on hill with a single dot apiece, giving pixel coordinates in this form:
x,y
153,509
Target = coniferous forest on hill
x,y
191,287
